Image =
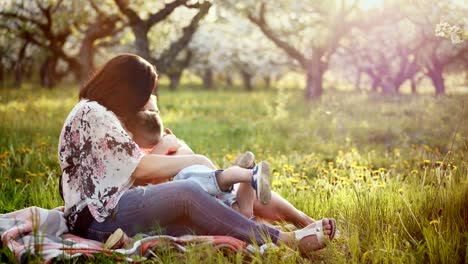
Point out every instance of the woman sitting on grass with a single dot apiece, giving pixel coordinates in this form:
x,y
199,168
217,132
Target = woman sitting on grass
x,y
146,129
100,163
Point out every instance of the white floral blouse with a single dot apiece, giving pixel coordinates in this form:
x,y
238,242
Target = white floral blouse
x,y
97,158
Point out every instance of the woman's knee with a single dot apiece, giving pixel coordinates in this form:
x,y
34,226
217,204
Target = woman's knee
x,y
187,189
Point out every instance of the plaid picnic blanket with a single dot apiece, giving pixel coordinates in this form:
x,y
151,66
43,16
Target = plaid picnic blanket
x,y
38,231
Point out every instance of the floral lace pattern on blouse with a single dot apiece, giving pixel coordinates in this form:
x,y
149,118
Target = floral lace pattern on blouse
x,y
97,158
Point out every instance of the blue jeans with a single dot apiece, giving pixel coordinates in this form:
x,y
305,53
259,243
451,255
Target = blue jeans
x,y
178,208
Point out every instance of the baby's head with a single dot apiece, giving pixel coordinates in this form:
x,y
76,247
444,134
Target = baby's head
x,y
146,128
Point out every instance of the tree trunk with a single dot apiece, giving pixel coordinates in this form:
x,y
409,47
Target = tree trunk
x,y
208,79
86,60
375,85
102,27
228,80
314,78
437,80
141,42
19,65
174,80
388,88
48,72
2,75
247,79
18,75
357,83
267,80
413,86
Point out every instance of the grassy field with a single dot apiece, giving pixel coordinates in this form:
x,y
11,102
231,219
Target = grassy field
x,y
393,171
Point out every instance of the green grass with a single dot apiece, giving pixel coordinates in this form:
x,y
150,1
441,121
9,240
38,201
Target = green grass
x,y
393,171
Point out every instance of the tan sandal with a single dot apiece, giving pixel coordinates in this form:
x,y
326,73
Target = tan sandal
x,y
304,237
246,160
116,240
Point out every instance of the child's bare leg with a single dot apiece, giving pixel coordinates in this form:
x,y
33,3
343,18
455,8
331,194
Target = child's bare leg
x,y
233,175
245,198
279,209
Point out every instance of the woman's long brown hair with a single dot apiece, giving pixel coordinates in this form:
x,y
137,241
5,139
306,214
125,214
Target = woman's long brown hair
x,y
123,85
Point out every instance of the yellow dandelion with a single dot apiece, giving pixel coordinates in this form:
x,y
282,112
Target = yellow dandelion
x,y
393,166
276,174
381,185
400,190
304,177
28,173
3,164
18,180
43,144
41,174
434,222
426,162
414,172
292,180
382,169
438,163
406,163
301,188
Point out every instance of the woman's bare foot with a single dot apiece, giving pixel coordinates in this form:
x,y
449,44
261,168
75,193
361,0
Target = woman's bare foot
x,y
313,236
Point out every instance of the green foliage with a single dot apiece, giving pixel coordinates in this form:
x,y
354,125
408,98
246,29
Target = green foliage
x,y
378,165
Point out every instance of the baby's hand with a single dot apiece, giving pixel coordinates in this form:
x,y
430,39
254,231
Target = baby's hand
x,y
168,131
171,143
167,145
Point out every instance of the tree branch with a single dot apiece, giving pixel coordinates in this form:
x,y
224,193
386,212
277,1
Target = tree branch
x,y
132,16
56,7
183,41
96,8
264,27
22,18
164,13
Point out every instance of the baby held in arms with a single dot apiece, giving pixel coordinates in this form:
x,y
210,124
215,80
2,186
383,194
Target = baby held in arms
x,y
147,130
